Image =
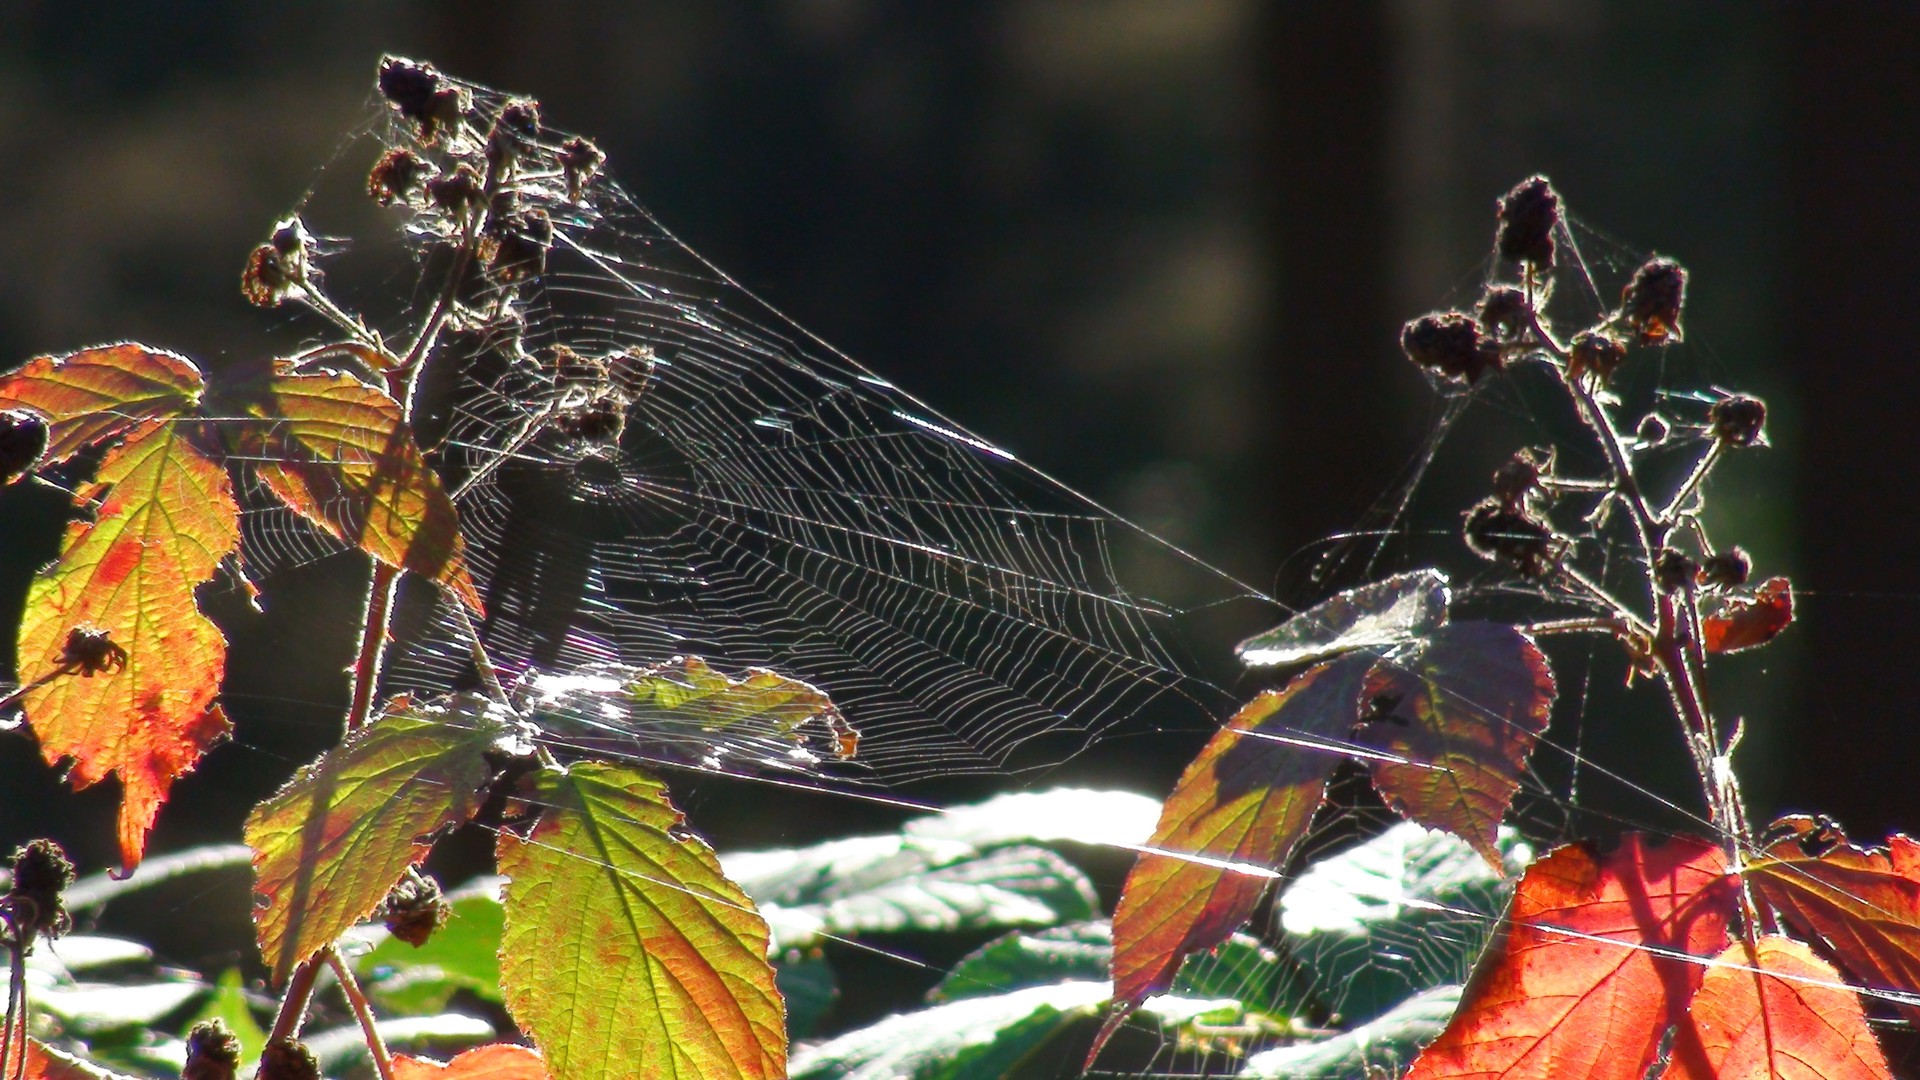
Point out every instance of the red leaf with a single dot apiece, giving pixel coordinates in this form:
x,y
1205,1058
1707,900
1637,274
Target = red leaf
x,y
1585,981
1862,903
1790,1018
1244,800
339,453
98,394
1746,621
43,1062
1467,709
165,518
494,1061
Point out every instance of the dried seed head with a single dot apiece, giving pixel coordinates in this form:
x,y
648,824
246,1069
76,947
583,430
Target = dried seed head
x,y
395,176
288,1059
1727,569
1651,302
1505,312
1596,354
514,130
519,245
1451,343
33,905
1738,420
1673,570
213,1052
415,908
90,651
23,439
1517,481
1528,215
422,95
1653,431
278,268
1518,539
580,161
455,192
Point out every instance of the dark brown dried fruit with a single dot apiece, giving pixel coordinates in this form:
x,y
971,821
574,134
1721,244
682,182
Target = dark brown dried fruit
x,y
1651,302
580,161
395,176
1595,354
421,94
1738,420
415,908
519,245
455,192
1674,570
1505,311
1528,215
288,1059
279,267
23,438
1520,540
1727,569
213,1052
33,905
1517,481
1451,343
89,652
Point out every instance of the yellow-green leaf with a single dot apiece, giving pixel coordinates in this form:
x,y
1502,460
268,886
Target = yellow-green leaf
x,y
329,845
627,952
96,394
339,453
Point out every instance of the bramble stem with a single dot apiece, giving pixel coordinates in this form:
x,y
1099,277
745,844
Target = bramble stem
x,y
374,631
293,1007
363,1012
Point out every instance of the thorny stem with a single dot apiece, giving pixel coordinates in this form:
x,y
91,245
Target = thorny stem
x,y
374,631
382,1061
293,1007
16,1025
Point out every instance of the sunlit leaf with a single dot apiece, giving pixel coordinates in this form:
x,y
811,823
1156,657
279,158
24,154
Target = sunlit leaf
x,y
339,453
1074,953
330,844
46,1063
1240,807
1380,1047
1863,903
1746,621
97,394
1601,954
1398,610
627,952
495,1061
1465,710
1775,1010
977,1038
165,517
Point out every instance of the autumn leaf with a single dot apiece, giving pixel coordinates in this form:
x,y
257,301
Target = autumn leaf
x,y
1744,622
1597,962
97,394
1394,611
329,845
43,1062
1464,710
494,1061
1775,1010
1244,802
340,453
627,952
165,517
1863,903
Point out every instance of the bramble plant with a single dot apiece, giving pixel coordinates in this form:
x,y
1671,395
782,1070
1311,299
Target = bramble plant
x,y
621,945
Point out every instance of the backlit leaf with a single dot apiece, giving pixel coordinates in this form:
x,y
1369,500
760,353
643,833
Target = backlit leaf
x,y
1380,1047
1395,611
330,844
990,1037
1776,1011
1746,621
1601,954
1241,806
46,1063
495,1061
1465,710
97,394
627,952
165,517
338,452
1864,903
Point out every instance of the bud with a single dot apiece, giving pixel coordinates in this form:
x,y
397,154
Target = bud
x,y
1727,569
415,908
23,439
288,1059
1595,354
1528,215
1673,570
1738,420
1451,343
455,192
213,1052
1651,302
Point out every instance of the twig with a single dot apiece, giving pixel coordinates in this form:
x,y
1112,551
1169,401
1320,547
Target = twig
x,y
293,1007
382,1062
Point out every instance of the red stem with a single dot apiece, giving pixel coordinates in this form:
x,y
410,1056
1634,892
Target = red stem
x,y
382,1061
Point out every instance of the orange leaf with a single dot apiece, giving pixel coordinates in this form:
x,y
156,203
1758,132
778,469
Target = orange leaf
x,y
1465,709
494,1061
97,394
339,453
1587,978
1776,1011
1244,800
165,518
1864,904
43,1062
1746,621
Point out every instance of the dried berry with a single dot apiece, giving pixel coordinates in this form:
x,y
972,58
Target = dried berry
x,y
516,128
1653,431
1451,343
90,651
1505,311
1515,538
23,438
1738,420
1673,570
395,176
288,1059
1651,302
33,905
1596,354
580,161
1528,215
1517,481
213,1052
519,244
422,94
455,192
279,267
415,908
1727,569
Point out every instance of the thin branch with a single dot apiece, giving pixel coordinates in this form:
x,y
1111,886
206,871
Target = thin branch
x,y
363,1012
293,1007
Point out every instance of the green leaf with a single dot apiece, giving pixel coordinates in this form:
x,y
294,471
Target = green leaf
x,y
1079,952
462,955
230,1004
1384,1047
627,952
1402,913
808,986
330,844
1078,815
977,1038
98,394
893,884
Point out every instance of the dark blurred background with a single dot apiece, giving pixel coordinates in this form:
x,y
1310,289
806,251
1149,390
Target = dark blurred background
x,y
1160,249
